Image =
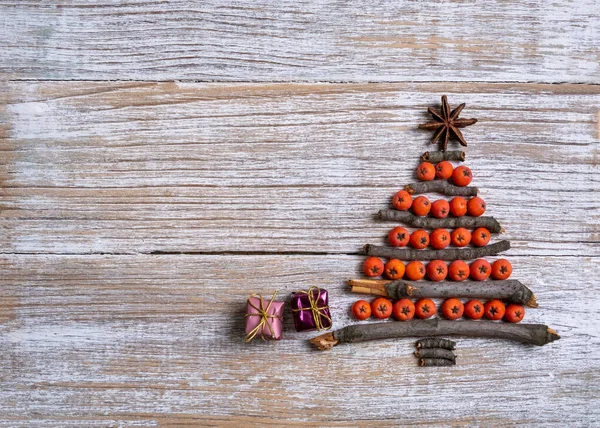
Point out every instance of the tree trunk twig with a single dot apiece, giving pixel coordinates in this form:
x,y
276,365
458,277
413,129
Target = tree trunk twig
x,y
435,342
510,290
446,254
440,186
468,222
436,362
435,157
534,334
442,353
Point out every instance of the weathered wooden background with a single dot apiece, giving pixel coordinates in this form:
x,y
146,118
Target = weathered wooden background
x,y
161,160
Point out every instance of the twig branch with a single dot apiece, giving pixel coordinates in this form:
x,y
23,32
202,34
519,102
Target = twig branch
x,y
435,157
510,290
446,254
435,342
435,353
440,186
436,362
534,334
468,222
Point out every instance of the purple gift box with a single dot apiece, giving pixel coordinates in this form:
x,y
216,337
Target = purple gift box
x,y
311,310
263,318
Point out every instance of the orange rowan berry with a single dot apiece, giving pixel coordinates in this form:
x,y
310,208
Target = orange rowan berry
x,y
373,266
425,308
421,206
440,208
474,309
426,171
402,200
403,310
501,269
444,170
480,270
381,308
514,313
394,269
458,206
494,310
476,206
361,310
419,239
452,309
437,270
480,237
458,270
460,237
415,271
440,239
399,237
462,176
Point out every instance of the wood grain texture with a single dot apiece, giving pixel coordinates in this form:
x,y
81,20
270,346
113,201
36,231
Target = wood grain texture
x,y
143,167
268,40
158,339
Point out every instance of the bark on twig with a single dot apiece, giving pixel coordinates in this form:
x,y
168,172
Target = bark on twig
x,y
435,362
435,157
440,186
446,254
435,342
534,334
445,354
468,222
510,290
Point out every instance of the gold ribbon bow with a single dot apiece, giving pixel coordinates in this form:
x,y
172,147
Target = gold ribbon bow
x,y
262,312
318,312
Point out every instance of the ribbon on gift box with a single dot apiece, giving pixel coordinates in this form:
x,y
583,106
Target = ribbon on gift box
x,y
317,311
262,312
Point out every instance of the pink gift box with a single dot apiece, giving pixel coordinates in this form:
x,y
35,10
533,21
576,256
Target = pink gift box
x,y
263,318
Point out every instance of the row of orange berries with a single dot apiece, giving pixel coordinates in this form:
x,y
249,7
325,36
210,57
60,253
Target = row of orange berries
x,y
439,238
452,309
461,176
441,208
437,270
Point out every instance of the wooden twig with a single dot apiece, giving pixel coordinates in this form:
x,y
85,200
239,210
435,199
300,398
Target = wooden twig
x,y
440,186
446,254
436,362
442,353
435,157
510,290
534,334
435,342
468,222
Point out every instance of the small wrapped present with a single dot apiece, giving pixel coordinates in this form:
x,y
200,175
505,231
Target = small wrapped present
x,y
311,310
263,318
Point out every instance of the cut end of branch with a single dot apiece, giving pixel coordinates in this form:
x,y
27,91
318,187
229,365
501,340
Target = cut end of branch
x,y
462,156
366,249
425,157
552,335
532,302
409,189
409,289
325,341
501,230
379,215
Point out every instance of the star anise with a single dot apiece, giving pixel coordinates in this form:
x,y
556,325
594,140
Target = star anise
x,y
446,124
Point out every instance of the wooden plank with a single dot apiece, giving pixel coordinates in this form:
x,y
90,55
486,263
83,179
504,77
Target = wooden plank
x,y
535,40
144,167
158,339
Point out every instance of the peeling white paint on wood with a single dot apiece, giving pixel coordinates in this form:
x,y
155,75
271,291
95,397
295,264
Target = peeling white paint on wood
x,y
269,40
159,339
137,168
282,170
